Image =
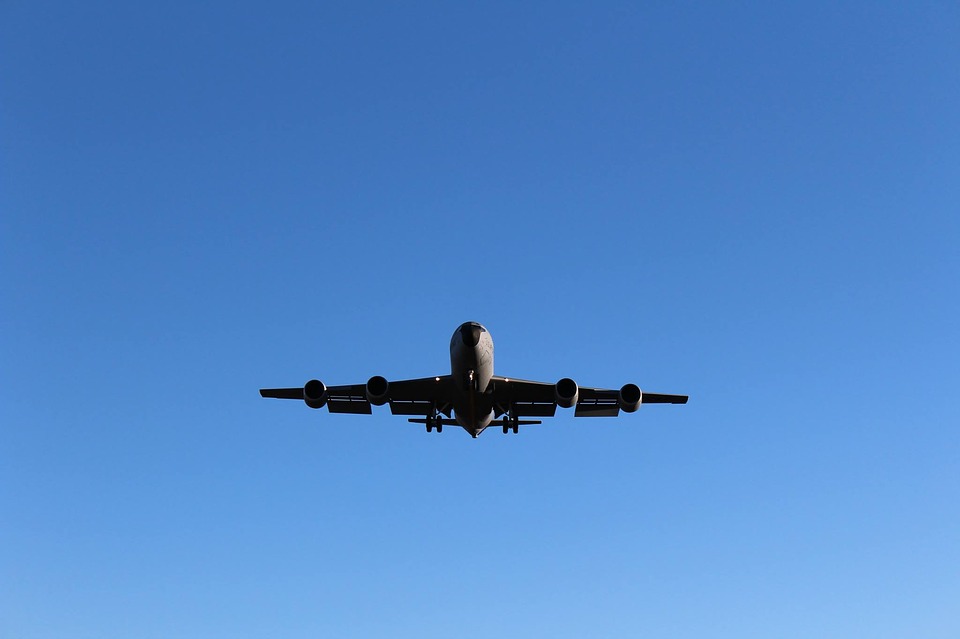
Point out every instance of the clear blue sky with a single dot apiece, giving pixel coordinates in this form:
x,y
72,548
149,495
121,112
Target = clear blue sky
x,y
757,204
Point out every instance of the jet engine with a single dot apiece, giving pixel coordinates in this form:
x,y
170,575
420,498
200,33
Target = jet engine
x,y
630,398
566,393
315,394
377,390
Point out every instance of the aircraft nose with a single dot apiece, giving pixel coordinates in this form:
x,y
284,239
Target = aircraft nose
x,y
470,334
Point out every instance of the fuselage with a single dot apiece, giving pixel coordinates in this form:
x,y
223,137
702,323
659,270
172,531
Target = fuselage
x,y
471,365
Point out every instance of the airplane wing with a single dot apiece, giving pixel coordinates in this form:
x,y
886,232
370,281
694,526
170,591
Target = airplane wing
x,y
406,397
538,399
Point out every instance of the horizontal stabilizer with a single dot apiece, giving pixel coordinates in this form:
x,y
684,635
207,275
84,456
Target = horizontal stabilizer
x,y
496,422
444,422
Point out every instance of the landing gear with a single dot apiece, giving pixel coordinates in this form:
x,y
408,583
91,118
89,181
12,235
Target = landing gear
x,y
435,421
511,423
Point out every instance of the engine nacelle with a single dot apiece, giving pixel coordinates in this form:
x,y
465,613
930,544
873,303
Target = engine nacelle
x,y
378,389
630,398
566,393
315,394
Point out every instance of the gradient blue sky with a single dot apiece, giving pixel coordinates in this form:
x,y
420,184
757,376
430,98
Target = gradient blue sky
x,y
753,203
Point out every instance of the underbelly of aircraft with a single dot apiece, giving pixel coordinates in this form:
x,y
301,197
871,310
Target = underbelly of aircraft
x,y
476,412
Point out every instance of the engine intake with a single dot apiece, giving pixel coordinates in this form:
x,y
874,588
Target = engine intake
x,y
630,398
378,389
315,394
566,393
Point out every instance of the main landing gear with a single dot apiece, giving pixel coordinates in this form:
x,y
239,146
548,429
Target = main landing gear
x,y
435,421
511,423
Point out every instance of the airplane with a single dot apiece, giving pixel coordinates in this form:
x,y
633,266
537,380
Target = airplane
x,y
471,396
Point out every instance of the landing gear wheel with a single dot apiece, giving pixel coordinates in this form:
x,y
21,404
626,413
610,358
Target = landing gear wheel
x,y
516,426
506,429
439,428
429,427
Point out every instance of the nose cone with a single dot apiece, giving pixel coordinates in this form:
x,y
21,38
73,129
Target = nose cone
x,y
470,334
